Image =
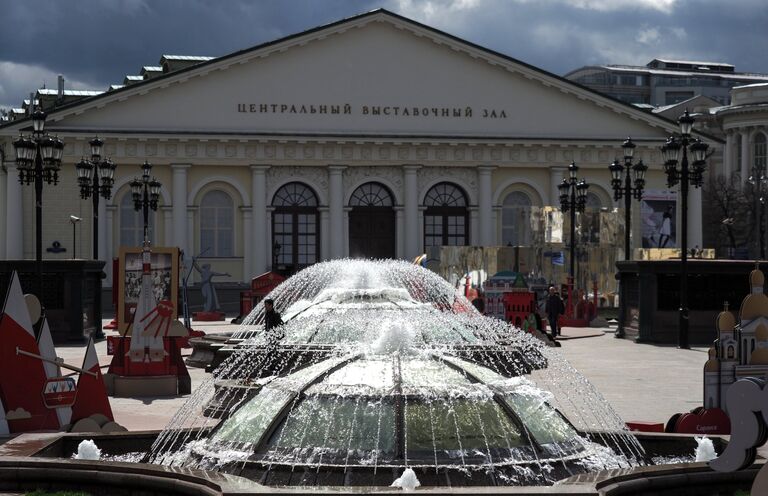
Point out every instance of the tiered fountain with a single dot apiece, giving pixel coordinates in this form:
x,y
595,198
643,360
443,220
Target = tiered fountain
x,y
381,367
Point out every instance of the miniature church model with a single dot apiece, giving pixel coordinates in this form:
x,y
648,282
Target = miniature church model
x,y
741,349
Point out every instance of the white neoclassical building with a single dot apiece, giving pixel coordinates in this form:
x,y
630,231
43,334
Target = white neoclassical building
x,y
745,124
373,136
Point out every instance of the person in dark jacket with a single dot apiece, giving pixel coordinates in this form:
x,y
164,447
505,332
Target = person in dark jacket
x,y
554,309
272,317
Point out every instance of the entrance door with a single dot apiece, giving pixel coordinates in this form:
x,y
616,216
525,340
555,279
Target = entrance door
x,y
372,232
372,222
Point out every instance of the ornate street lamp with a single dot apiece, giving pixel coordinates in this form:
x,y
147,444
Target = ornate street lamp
x,y
621,180
146,193
95,178
38,159
573,198
758,182
686,174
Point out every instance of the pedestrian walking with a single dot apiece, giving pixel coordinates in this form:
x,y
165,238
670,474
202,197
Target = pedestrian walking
x,y
554,309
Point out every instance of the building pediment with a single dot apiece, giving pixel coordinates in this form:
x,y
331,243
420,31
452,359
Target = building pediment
x,y
376,74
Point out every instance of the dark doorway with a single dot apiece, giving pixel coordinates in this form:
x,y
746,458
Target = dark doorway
x,y
372,222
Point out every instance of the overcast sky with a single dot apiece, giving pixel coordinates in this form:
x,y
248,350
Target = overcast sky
x,y
94,43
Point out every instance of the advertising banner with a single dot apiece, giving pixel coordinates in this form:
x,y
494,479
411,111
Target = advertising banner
x,y
658,212
165,281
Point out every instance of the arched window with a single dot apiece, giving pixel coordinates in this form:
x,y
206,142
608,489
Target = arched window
x,y
132,223
516,219
371,195
217,225
295,231
760,151
590,219
446,222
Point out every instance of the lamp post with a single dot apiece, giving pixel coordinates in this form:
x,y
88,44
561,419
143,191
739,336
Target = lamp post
x,y
758,181
622,188
146,193
686,174
573,198
89,172
38,159
74,220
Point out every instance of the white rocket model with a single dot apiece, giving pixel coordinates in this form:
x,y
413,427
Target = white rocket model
x,y
145,333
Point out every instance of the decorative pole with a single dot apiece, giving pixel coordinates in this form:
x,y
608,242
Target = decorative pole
x,y
692,174
573,197
627,191
38,159
89,172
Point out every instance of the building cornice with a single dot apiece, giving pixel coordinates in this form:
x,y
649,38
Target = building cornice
x,y
263,152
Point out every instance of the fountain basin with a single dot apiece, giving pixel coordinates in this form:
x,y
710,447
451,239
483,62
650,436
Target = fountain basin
x,y
48,466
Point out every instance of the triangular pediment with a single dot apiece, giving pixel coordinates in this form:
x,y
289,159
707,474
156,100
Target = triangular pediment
x,y
376,74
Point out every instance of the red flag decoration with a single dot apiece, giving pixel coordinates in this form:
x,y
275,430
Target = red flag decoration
x,y
22,377
91,391
52,371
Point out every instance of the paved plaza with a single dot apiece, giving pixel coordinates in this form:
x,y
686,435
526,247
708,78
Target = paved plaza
x,y
641,381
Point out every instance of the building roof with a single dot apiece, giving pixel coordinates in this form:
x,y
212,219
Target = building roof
x,y
49,91
691,62
199,58
532,72
639,69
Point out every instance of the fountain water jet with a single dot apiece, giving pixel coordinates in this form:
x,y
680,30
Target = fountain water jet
x,y
385,367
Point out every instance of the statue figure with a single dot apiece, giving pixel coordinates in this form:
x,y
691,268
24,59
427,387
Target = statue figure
x,y
211,301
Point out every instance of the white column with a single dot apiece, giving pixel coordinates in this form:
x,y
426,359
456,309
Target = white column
x,y
695,237
555,178
336,210
181,223
744,157
103,235
3,209
268,237
189,225
345,230
413,244
474,231
260,237
14,241
728,158
325,250
109,245
248,250
485,206
168,227
399,232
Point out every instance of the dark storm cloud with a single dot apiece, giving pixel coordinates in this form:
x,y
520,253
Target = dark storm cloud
x,y
97,42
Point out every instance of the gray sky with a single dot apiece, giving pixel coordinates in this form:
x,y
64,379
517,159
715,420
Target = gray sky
x,y
94,43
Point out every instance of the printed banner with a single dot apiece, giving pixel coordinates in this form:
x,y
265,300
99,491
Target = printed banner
x,y
658,212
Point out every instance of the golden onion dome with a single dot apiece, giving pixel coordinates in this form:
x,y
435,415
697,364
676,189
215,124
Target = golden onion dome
x,y
712,364
756,278
754,305
725,320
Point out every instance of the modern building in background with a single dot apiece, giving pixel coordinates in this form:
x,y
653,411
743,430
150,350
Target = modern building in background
x,y
374,136
664,82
